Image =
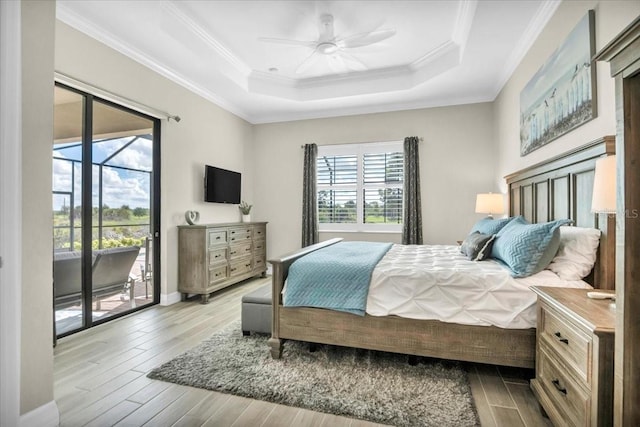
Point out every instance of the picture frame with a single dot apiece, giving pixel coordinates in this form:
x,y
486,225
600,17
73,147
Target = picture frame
x,y
562,94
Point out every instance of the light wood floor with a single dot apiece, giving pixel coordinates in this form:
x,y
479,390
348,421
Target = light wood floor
x,y
100,377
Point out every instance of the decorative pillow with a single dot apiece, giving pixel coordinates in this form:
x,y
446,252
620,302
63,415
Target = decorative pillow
x,y
490,225
477,246
527,248
577,252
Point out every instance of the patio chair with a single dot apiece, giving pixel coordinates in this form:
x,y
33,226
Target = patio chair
x,y
111,272
67,280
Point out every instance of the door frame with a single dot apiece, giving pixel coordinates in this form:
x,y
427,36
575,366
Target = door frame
x,y
86,197
10,211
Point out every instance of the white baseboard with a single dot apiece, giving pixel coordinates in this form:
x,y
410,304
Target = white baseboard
x,y
170,298
46,415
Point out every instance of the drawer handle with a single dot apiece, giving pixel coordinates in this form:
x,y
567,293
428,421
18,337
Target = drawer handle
x,y
563,340
233,269
247,265
556,384
218,238
247,250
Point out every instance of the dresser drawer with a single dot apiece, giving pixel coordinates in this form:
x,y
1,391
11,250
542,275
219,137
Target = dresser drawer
x,y
259,233
240,267
237,251
237,235
217,256
573,346
259,246
217,237
258,263
569,399
217,274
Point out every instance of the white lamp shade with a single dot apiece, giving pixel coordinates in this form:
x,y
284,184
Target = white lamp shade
x,y
604,186
490,203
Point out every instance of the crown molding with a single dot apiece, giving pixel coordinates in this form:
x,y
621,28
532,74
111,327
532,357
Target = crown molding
x,y
531,34
91,29
462,26
371,109
198,30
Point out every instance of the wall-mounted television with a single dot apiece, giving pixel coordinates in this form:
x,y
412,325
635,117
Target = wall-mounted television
x,y
221,185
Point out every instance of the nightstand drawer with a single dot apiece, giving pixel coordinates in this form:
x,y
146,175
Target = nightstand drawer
x,y
571,402
573,346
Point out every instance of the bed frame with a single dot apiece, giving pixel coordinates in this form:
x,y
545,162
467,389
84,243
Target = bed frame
x,y
558,188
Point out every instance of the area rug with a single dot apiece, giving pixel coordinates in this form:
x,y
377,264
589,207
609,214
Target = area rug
x,y
369,385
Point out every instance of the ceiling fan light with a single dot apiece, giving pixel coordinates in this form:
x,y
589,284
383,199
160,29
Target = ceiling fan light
x,y
327,48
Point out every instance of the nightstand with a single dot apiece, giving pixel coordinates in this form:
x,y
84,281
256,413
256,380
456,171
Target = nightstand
x,y
574,357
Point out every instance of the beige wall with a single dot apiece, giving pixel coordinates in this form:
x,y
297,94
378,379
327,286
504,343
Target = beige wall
x,y
457,160
36,375
207,134
611,17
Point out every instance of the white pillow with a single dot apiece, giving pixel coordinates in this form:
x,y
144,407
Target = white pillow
x,y
577,252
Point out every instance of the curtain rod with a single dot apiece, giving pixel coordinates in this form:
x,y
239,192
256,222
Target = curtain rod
x,y
369,142
113,97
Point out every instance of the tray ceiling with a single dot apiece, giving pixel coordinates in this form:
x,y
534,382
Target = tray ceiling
x,y
434,53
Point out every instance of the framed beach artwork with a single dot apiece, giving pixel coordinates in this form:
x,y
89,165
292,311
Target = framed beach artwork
x,y
562,93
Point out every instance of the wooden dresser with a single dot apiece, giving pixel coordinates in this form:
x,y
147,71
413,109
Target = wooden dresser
x,y
214,256
574,357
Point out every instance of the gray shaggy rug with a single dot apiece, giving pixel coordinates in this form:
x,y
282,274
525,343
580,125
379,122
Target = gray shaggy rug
x,y
370,385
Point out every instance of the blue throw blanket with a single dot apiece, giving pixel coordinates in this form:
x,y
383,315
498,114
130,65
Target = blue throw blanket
x,y
336,277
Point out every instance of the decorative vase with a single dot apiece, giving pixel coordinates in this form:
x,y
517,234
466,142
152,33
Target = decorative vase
x,y
192,217
246,218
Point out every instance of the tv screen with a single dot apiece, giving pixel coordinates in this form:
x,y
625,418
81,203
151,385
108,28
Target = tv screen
x,y
221,185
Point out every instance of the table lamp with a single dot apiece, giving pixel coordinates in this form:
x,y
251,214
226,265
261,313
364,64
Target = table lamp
x,y
490,203
604,186
604,190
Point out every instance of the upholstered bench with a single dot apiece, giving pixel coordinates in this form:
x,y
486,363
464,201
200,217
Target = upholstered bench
x,y
256,311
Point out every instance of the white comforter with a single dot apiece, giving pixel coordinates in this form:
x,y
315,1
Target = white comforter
x,y
438,282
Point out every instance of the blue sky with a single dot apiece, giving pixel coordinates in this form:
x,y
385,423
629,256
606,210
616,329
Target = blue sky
x,y
121,187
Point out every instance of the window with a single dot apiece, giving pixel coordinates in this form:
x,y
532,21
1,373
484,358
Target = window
x,y
360,187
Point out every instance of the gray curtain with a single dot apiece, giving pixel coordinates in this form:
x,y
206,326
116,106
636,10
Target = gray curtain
x,y
309,201
412,218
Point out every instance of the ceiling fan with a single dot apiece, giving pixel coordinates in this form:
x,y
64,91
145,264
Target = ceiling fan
x,y
335,50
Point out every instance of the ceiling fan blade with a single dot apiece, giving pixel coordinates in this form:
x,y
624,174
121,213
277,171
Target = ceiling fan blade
x,y
365,39
303,43
307,63
336,64
351,62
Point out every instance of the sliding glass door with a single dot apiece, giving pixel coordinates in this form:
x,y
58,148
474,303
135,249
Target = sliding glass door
x,y
105,210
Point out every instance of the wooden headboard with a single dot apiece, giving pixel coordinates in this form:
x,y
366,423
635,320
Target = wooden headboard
x,y
561,187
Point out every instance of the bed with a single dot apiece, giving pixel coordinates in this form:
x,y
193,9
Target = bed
x,y
560,187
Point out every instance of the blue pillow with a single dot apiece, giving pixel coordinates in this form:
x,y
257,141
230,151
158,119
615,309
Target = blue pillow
x,y
490,225
527,248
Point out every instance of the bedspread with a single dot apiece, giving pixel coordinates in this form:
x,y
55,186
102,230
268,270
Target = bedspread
x,y
336,277
437,282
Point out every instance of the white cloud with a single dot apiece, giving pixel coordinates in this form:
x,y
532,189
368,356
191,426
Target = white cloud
x,y
136,156
122,188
